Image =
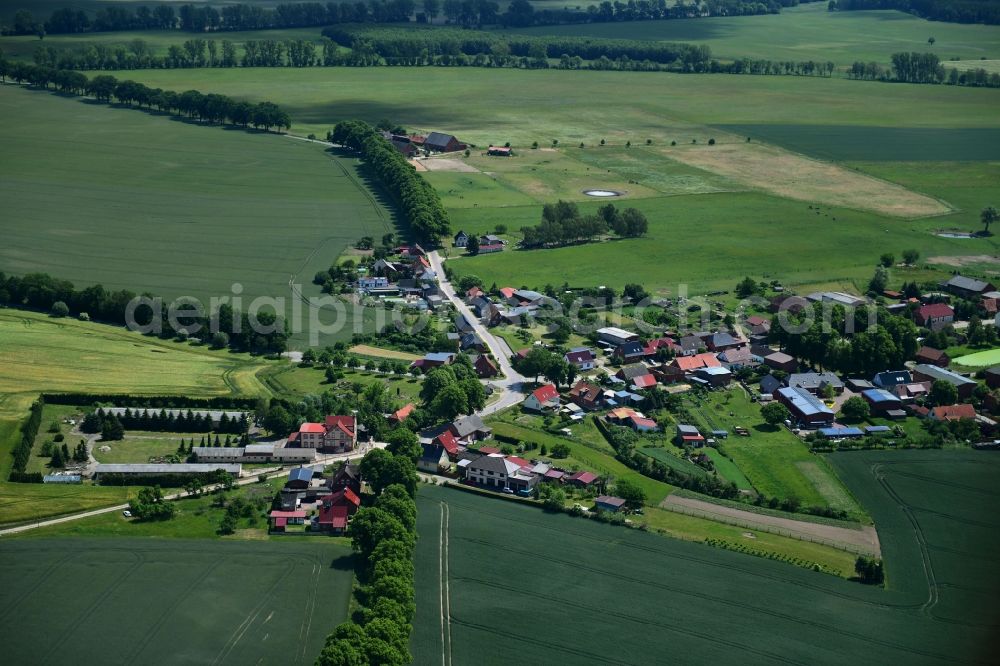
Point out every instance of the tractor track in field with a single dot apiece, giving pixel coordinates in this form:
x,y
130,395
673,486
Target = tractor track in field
x,y
140,645
444,587
66,632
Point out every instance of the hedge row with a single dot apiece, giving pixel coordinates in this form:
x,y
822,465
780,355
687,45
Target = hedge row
x,y
750,550
150,401
419,203
22,451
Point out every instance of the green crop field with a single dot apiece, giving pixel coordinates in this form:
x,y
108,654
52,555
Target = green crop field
x,y
149,203
806,32
559,586
171,601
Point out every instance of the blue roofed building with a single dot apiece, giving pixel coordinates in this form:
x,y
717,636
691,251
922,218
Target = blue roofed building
x,y
806,409
840,433
881,400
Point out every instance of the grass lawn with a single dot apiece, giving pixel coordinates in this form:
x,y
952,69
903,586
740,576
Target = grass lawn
x,y
172,601
136,450
296,381
728,470
808,32
582,582
776,462
52,415
147,202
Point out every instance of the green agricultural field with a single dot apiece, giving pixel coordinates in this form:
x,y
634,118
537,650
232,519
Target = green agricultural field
x,y
171,601
575,106
807,32
776,462
42,354
580,582
979,359
150,203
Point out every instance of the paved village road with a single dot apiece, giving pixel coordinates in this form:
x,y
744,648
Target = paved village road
x,y
514,384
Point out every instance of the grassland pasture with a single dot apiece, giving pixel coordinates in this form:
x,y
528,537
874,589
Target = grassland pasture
x,y
130,599
580,582
979,359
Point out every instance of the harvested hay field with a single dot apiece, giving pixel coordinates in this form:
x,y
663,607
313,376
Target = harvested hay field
x,y
960,261
795,176
446,164
378,352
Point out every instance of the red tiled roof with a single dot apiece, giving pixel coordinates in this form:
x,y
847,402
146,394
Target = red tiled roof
x,y
487,450
644,381
930,353
344,423
313,427
474,292
520,462
935,311
638,422
401,414
546,393
448,441
689,363
584,477
954,412
288,514
507,291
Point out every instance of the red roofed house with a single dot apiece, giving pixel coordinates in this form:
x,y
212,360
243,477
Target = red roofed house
x,y
474,292
281,519
644,382
448,441
582,479
586,395
507,292
337,434
953,412
582,357
932,356
653,346
542,399
400,415
935,315
642,424
697,362
337,509
484,367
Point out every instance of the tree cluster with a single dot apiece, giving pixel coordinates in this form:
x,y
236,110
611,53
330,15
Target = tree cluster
x,y
869,570
923,68
39,291
540,362
419,202
451,390
952,11
847,344
150,505
384,536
